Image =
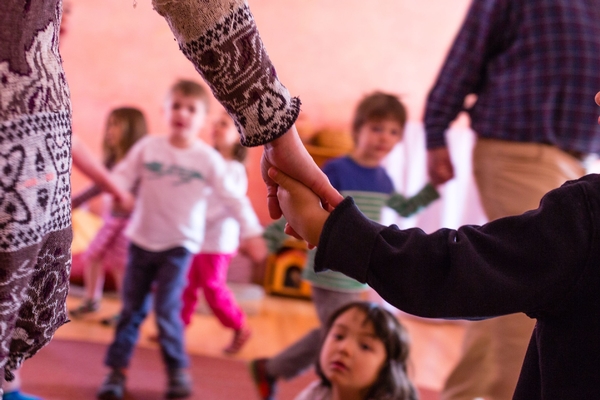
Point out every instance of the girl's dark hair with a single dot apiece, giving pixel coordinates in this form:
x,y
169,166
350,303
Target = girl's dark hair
x,y
392,382
134,128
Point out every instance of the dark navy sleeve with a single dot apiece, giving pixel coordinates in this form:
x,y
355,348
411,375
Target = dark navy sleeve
x,y
528,263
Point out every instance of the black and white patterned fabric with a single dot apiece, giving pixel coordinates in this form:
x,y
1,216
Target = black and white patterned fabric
x,y
230,55
35,163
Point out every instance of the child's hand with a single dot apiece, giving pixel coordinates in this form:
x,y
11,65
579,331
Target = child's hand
x,y
124,201
254,248
288,154
300,206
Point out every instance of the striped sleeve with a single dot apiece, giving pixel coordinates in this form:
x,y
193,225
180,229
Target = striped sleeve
x,y
406,207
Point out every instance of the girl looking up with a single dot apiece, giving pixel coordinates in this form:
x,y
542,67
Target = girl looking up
x,y
363,357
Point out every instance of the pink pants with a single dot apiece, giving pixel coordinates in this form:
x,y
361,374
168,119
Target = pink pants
x,y
209,273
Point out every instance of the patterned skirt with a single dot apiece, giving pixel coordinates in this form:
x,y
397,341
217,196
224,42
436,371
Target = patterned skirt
x,y
34,282
110,244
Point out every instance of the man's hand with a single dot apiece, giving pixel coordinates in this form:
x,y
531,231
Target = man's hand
x,y
301,207
439,166
288,154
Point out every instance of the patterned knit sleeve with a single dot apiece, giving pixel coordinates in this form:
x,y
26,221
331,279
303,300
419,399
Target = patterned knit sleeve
x,y
221,39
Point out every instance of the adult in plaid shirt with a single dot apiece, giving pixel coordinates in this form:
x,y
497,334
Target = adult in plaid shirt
x,y
533,67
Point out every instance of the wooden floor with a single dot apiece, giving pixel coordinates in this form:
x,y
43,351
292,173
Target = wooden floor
x,y
277,322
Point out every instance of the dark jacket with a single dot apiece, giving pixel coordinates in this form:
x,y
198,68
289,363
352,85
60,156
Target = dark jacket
x,y
545,263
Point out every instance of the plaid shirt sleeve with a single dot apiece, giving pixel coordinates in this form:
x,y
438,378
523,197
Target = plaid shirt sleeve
x,y
479,39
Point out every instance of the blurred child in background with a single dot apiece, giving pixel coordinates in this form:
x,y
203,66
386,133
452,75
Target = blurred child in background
x,y
175,175
108,251
377,127
208,270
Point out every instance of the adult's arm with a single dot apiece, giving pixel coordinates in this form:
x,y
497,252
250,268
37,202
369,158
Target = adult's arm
x,y
528,263
479,39
221,39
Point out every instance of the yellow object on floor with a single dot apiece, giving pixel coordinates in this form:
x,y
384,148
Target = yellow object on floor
x,y
85,227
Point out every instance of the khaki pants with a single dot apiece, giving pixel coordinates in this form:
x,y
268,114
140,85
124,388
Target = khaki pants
x,y
511,178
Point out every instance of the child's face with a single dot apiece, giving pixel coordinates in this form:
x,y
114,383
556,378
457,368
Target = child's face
x,y
376,138
185,116
114,131
224,132
352,356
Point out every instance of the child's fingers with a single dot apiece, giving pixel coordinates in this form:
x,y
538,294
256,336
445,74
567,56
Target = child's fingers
x,y
282,179
290,231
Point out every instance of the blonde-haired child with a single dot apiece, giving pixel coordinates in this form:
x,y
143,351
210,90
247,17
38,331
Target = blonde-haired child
x,y
174,175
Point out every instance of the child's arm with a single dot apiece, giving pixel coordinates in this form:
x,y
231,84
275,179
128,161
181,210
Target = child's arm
x,y
525,263
86,195
255,248
406,207
94,170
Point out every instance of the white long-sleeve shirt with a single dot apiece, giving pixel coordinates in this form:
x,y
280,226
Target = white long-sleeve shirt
x,y
222,227
173,191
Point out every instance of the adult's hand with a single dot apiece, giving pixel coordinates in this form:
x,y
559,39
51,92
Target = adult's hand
x,y
301,207
439,166
288,154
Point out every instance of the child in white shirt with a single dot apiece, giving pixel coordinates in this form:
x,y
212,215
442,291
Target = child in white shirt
x,y
174,175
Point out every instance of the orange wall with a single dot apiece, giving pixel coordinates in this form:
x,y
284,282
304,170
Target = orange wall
x,y
328,52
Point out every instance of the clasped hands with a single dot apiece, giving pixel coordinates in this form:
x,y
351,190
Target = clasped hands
x,y
297,188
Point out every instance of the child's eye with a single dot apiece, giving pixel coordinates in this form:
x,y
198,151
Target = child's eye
x,y
365,346
338,336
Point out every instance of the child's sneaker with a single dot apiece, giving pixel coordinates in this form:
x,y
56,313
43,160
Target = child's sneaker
x,y
240,337
87,306
265,383
113,387
18,395
180,384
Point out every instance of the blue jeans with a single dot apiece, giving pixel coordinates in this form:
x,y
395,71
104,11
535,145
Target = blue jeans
x,y
168,269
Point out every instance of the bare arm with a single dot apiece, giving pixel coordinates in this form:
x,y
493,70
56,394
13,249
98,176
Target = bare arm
x,y
87,163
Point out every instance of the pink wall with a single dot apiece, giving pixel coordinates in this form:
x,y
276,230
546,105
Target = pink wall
x,y
328,52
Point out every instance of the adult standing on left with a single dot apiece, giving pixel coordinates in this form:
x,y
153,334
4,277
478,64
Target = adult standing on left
x,y
35,146
533,66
